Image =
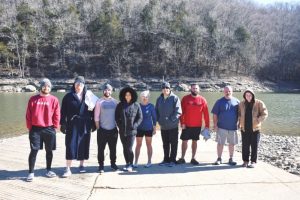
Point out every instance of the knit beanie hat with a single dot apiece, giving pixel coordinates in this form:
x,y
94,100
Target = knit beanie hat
x,y
45,82
79,79
145,93
165,85
107,87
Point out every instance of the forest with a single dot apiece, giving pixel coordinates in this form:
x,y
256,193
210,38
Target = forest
x,y
149,38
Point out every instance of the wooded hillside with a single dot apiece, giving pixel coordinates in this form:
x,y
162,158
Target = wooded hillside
x,y
144,38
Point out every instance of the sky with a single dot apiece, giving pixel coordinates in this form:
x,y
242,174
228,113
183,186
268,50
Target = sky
x,y
265,2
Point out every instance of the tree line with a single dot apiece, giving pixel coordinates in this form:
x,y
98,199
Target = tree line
x,y
146,38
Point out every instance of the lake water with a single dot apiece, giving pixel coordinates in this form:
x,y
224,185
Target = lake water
x,y
284,111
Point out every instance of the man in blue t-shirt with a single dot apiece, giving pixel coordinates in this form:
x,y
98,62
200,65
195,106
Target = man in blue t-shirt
x,y
225,118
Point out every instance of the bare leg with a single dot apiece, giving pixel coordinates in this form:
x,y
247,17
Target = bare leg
x,y
69,163
81,162
149,148
139,141
183,148
220,150
194,148
231,150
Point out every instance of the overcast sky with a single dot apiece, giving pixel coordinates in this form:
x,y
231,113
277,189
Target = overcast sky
x,y
265,2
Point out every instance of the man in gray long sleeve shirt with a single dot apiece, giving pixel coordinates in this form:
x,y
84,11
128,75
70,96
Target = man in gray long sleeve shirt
x,y
168,110
107,132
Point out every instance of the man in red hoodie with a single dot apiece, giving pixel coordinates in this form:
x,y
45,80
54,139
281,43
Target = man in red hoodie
x,y
194,106
42,118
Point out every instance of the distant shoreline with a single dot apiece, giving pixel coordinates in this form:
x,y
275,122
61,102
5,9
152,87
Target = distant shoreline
x,y
239,84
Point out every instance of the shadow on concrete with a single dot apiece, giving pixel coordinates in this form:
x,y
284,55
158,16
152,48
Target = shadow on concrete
x,y
21,175
182,168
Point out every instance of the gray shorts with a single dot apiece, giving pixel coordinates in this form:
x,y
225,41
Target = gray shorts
x,y
224,135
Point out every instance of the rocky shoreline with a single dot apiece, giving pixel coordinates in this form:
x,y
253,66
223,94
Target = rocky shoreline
x,y
280,151
153,84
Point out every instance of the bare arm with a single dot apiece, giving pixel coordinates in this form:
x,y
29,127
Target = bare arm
x,y
215,120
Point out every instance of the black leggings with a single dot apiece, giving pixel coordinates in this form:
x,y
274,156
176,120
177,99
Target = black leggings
x,y
32,159
127,142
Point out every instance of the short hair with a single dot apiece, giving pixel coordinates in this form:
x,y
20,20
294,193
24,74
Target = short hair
x,y
228,87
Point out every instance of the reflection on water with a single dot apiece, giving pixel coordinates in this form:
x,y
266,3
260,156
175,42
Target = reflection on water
x,y
284,112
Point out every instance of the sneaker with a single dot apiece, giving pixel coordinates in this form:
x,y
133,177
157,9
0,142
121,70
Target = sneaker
x,y
114,167
101,169
231,162
82,169
252,165
135,166
194,162
171,164
181,161
163,163
128,168
50,174
218,161
30,177
67,173
148,165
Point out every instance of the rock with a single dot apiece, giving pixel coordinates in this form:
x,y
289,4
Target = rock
x,y
18,89
183,87
278,164
29,88
7,88
274,158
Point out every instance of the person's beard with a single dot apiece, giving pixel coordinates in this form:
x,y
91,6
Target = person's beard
x,y
106,95
194,93
45,92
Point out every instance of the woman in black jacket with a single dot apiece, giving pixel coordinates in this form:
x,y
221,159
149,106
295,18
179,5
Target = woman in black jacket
x,y
128,117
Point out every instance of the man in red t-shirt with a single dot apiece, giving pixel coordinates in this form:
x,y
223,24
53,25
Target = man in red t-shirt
x,y
42,118
194,106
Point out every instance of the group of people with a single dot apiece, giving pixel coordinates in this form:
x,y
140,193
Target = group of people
x,y
82,112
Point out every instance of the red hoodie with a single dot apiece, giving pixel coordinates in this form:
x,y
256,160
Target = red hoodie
x,y
42,111
192,110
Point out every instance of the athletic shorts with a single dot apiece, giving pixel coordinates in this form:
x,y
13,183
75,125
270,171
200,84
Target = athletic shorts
x,y
40,135
141,133
190,133
224,135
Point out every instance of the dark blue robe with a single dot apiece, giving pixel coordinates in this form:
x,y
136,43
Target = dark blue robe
x,y
78,128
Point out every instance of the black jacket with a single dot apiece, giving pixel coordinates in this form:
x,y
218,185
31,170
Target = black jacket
x,y
128,116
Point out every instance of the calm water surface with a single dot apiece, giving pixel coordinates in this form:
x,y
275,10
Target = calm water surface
x,y
284,111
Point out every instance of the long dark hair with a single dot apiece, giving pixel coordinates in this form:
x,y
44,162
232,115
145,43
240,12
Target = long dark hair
x,y
133,93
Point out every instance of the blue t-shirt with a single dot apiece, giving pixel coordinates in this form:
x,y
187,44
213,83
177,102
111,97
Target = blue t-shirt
x,y
227,112
149,117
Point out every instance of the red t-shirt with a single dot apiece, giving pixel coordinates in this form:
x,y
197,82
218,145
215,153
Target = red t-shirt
x,y
192,110
43,111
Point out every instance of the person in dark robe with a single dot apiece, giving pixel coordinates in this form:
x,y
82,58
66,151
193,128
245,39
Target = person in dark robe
x,y
76,123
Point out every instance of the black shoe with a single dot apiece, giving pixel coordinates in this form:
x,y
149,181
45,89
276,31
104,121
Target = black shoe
x,y
194,162
231,162
114,167
101,169
180,161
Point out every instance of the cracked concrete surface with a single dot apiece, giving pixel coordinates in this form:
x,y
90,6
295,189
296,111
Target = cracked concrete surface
x,y
205,181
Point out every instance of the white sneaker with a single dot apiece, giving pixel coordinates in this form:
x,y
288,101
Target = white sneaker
x,y
252,165
129,168
148,165
30,177
50,174
67,173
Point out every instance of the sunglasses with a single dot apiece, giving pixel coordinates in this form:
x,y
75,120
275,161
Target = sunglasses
x,y
165,88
